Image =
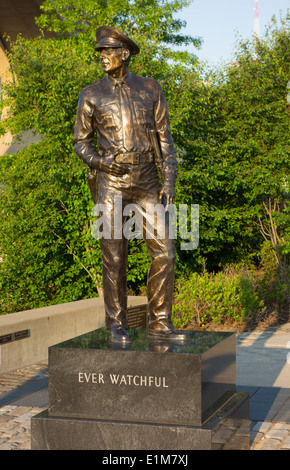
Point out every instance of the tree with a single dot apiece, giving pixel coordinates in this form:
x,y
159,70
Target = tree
x,y
49,255
236,154
259,129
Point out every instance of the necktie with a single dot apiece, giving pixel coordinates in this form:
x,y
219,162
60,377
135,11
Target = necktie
x,y
126,114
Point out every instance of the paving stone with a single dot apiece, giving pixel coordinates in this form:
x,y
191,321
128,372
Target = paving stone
x,y
223,434
281,426
18,411
23,418
5,446
286,443
9,433
242,431
239,442
232,423
269,444
255,439
276,434
4,419
262,426
7,409
25,445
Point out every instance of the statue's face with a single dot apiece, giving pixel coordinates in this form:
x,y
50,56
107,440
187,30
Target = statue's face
x,y
113,59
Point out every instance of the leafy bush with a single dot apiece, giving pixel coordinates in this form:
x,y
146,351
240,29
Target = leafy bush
x,y
272,287
209,297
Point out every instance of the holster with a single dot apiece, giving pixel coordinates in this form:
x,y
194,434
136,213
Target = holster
x,y
93,182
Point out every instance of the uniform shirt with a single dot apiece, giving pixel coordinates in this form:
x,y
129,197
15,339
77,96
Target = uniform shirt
x,y
121,112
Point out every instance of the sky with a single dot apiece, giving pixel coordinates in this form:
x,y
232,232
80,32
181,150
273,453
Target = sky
x,y
220,22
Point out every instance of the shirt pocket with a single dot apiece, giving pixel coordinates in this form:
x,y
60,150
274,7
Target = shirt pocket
x,y
144,110
108,117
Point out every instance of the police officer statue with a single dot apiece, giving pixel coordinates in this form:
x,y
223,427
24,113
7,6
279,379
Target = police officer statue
x,y
129,116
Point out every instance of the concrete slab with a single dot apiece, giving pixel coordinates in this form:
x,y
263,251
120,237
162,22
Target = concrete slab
x,y
263,358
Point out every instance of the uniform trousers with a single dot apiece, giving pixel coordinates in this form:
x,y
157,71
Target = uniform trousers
x,y
137,191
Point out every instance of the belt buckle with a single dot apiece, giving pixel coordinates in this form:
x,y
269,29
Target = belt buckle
x,y
135,158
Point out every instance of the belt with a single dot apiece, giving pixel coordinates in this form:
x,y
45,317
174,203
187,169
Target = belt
x,y
135,158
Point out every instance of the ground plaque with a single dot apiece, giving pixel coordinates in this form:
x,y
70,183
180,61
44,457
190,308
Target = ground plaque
x,y
150,394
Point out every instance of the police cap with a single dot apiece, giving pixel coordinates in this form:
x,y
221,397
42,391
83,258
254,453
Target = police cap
x,y
110,37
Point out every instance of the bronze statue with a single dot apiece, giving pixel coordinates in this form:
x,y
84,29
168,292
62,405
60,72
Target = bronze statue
x,y
129,116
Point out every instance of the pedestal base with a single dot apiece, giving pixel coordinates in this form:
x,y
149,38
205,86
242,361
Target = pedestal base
x,y
148,395
228,429
149,381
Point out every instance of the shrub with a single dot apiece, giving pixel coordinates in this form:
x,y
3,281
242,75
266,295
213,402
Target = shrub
x,y
209,297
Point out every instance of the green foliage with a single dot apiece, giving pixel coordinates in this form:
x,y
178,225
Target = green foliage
x,y
228,295
236,154
48,254
273,288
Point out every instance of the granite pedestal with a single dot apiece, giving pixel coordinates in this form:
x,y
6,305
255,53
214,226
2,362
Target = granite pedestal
x,y
152,394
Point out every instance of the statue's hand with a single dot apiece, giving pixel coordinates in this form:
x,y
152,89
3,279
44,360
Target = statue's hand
x,y
109,165
167,194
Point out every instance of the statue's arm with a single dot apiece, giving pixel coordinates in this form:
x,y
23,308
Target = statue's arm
x,y
84,131
167,149
84,137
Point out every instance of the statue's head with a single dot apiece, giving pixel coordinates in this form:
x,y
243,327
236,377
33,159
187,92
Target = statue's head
x,y
115,48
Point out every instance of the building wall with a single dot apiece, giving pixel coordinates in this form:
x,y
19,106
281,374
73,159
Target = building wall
x,y
16,17
6,140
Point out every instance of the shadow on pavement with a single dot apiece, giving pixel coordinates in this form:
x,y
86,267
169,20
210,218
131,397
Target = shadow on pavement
x,y
32,392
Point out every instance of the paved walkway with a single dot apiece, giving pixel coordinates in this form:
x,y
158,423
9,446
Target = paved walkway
x,y
263,369
23,394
